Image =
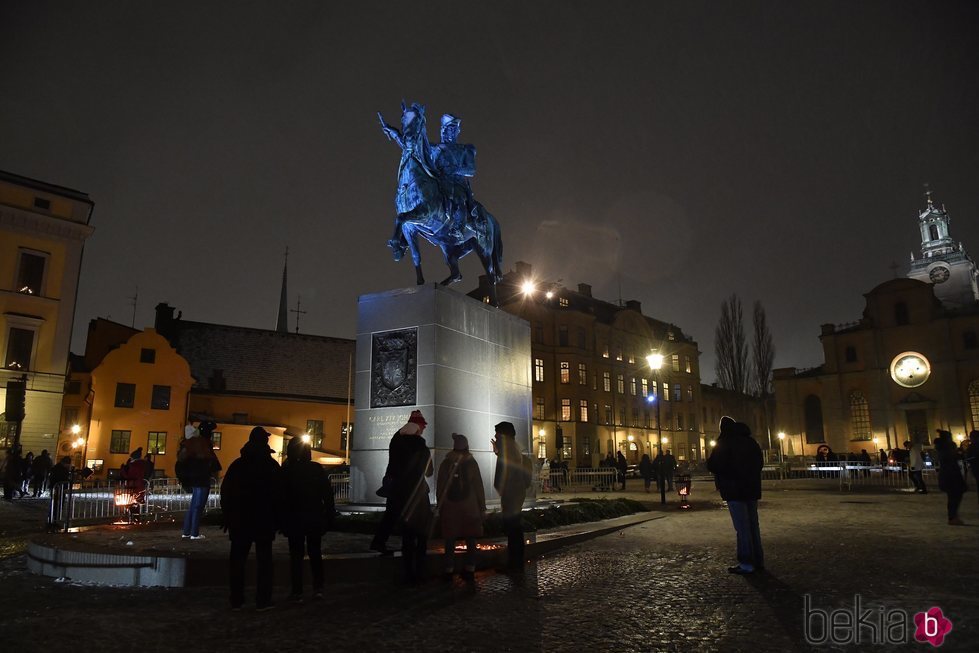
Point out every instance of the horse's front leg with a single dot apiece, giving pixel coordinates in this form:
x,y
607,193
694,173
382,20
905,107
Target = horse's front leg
x,y
398,242
411,236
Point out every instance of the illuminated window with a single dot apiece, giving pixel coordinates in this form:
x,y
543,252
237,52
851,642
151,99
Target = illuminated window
x,y
666,391
635,417
565,372
620,383
607,381
633,386
95,464
675,360
645,388
216,440
346,433
315,429
565,410
677,389
655,389
563,302
157,443
618,353
542,448
30,273
632,359
688,368
679,422
689,393
539,408
621,421
582,374
605,350
20,349
539,370
583,409
608,414
859,416
119,441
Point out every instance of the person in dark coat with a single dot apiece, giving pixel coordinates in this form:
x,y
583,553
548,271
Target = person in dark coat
x,y
669,466
972,457
307,512
511,481
26,473
11,473
646,470
736,463
41,468
622,466
196,466
461,504
950,479
250,495
409,465
398,453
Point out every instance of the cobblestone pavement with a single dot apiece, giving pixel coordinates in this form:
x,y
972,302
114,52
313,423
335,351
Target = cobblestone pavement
x,y
658,586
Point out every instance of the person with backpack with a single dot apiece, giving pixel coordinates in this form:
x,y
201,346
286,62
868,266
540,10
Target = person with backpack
x,y
42,467
511,481
461,505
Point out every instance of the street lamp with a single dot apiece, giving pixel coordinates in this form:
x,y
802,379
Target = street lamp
x,y
655,362
781,453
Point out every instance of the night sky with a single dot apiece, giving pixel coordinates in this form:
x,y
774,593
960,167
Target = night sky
x,y
682,150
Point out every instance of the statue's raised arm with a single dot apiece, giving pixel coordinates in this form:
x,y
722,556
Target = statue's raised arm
x,y
389,131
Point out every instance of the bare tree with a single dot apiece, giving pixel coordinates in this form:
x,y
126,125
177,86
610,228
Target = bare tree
x,y
763,353
731,348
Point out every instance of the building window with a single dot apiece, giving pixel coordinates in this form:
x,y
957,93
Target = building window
x,y
346,431
125,395
859,416
677,389
645,387
565,410
147,355
70,416
119,441
161,397
539,370
901,314
620,383
582,338
635,417
42,203
157,443
216,440
30,273
582,374
95,464
933,231
974,403
618,353
605,350
538,333
850,354
969,340
314,428
679,422
633,386
562,336
542,448
20,348
607,381
687,366
632,359
689,392
239,418
675,360
565,372
813,411
539,408
562,302
608,414
583,410
666,392
621,421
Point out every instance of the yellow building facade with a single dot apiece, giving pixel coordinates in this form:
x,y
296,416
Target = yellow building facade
x,y
43,229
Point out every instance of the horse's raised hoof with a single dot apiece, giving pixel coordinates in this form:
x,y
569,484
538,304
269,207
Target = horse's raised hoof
x,y
397,249
452,278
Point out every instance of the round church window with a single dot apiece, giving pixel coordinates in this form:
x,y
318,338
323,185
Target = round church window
x,y
910,369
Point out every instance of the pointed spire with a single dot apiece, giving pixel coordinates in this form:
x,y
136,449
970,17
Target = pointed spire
x,y
282,323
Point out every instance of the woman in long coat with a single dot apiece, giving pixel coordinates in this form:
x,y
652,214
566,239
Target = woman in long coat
x,y
461,504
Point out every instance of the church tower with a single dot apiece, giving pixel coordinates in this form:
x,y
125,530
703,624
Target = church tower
x,y
944,262
282,321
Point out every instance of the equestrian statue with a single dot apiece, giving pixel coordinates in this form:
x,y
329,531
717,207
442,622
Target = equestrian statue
x,y
434,198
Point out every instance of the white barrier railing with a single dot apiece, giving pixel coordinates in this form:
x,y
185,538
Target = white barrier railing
x,y
578,479
341,487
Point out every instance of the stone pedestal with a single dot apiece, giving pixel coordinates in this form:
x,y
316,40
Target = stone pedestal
x,y
463,363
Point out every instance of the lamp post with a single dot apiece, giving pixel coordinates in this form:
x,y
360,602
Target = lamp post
x,y
655,362
781,452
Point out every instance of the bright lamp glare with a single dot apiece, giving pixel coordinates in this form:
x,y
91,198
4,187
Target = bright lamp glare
x,y
549,294
76,429
528,287
305,438
655,361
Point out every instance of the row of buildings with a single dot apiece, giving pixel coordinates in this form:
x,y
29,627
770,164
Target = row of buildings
x,y
908,366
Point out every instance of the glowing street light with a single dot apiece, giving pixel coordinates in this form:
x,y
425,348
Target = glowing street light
x,y
75,429
305,438
781,439
528,287
713,443
549,294
655,362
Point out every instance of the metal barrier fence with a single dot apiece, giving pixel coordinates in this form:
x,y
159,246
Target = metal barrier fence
x,y
602,479
847,474
90,502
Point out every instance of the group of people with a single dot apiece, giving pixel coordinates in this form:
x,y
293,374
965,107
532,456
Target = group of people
x,y
660,470
460,509
27,475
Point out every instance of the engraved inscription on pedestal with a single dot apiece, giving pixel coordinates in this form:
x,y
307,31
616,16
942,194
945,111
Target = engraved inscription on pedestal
x,y
394,368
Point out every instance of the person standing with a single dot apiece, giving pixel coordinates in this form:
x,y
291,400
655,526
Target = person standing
x,y
622,466
972,457
197,465
26,473
11,473
308,511
511,481
736,463
669,463
646,470
916,465
545,475
409,495
399,455
461,505
42,467
249,496
950,479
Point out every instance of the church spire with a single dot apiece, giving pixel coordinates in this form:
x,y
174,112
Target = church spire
x,y
282,322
